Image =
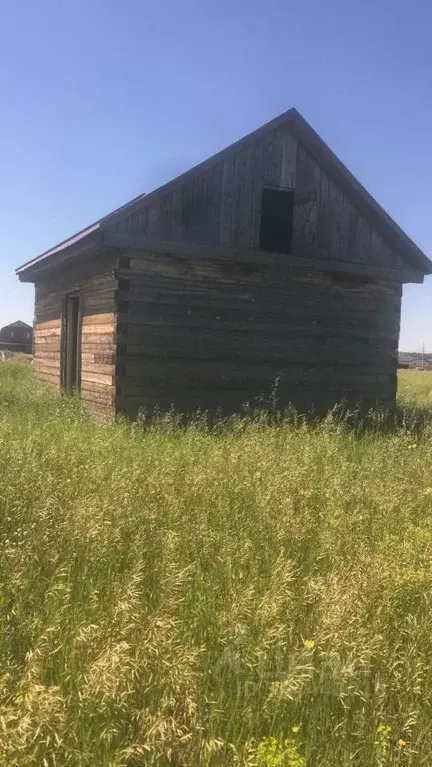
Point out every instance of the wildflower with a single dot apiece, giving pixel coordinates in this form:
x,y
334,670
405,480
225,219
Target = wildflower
x,y
402,743
309,644
295,729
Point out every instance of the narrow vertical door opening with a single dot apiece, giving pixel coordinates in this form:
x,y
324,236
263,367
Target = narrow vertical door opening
x,y
72,329
276,226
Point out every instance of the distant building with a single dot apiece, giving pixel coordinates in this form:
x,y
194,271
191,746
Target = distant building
x,y
17,337
415,360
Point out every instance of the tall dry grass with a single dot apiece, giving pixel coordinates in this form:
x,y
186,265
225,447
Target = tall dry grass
x,y
251,595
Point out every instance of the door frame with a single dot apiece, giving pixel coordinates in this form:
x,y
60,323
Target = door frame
x,y
70,338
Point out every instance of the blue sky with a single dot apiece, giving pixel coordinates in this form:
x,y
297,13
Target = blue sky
x,y
102,100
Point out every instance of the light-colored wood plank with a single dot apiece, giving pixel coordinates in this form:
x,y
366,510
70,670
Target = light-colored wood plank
x,y
48,378
50,324
48,333
188,250
98,378
108,318
96,329
94,367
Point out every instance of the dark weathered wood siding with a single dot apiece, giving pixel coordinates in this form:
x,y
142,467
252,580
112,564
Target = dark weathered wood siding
x,y
196,333
328,226
221,205
96,283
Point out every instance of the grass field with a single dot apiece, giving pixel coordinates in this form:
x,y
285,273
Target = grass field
x,y
251,595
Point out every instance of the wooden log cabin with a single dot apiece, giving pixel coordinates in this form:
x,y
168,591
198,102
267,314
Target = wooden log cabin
x,y
267,269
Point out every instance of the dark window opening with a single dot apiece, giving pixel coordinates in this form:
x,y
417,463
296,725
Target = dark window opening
x,y
124,262
72,343
276,227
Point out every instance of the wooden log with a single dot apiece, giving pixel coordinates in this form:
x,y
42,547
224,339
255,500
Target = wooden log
x,y
46,369
42,348
47,355
96,368
357,360
133,328
98,378
56,324
47,333
102,319
47,377
101,388
298,259
102,411
98,341
45,360
98,357
217,374
106,398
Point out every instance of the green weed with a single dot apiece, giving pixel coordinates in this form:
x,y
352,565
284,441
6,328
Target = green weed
x,y
252,593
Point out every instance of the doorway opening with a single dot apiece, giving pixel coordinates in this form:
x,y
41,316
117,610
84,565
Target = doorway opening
x,y
72,343
276,229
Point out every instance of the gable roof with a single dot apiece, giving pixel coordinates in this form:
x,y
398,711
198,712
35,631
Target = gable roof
x,y
17,324
300,129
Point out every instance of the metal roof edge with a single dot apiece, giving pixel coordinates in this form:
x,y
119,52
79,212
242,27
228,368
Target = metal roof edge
x,y
58,248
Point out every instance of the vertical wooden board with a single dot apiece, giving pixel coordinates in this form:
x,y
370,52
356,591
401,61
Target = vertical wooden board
x,y
341,226
305,170
131,222
216,203
306,204
377,256
257,150
240,169
288,160
197,209
154,218
333,196
271,161
381,254
177,214
200,209
266,175
324,229
143,220
363,241
227,201
352,232
187,208
209,206
275,161
165,216
246,201
193,222
393,259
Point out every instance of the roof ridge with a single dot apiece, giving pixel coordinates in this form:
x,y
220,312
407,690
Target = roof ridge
x,y
325,157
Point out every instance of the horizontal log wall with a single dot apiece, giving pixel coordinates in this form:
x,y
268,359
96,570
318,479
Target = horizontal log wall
x,y
199,334
96,282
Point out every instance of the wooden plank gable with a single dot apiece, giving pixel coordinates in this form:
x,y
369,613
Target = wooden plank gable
x,y
220,204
